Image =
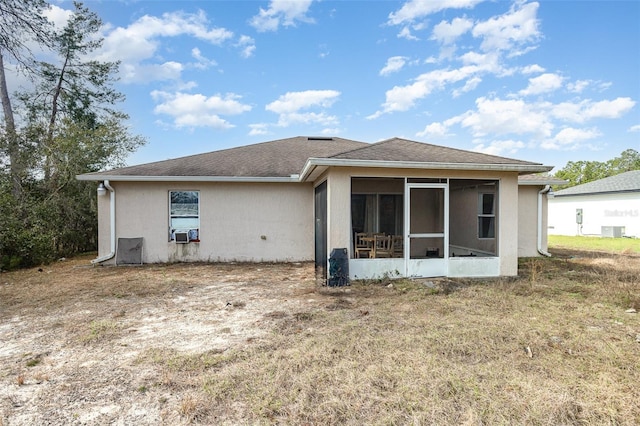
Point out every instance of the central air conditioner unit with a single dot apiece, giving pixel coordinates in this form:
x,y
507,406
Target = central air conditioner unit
x,y
182,237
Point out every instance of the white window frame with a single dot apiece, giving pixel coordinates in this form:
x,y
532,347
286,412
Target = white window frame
x,y
482,215
192,229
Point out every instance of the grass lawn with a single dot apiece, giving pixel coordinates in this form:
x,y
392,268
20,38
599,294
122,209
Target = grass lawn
x,y
609,245
557,345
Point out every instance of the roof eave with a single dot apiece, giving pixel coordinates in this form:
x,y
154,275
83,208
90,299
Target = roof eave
x,y
540,182
134,178
313,163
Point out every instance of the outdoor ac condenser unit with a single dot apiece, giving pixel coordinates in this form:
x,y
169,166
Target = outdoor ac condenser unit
x,y
182,237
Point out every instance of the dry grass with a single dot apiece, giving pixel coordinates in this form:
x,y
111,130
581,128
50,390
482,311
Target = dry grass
x,y
416,352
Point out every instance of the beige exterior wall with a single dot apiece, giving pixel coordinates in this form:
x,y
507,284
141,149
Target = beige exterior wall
x,y
250,222
234,217
528,221
508,224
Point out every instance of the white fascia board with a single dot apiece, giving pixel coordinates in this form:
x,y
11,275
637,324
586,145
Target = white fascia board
x,y
328,162
127,178
541,182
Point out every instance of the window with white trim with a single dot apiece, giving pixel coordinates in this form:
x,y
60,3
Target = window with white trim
x,y
184,216
486,215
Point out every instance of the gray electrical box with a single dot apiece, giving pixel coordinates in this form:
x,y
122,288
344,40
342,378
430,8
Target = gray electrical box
x,y
579,216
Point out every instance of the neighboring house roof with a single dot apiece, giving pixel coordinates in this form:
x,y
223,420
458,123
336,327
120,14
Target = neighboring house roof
x,y
538,180
623,182
301,158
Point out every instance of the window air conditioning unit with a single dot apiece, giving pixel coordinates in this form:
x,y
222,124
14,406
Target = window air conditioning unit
x,y
182,237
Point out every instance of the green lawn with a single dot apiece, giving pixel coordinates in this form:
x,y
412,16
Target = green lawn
x,y
614,245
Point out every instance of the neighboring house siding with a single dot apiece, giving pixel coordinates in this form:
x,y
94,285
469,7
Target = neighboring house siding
x,y
598,210
234,217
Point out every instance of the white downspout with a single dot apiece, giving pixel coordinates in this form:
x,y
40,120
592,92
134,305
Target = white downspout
x,y
112,224
546,190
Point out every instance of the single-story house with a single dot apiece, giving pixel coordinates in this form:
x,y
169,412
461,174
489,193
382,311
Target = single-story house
x,y
608,207
447,212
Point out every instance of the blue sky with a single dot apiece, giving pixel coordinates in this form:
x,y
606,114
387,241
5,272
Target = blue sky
x,y
549,81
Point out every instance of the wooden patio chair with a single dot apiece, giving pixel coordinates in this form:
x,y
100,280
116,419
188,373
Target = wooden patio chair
x,y
397,243
382,246
363,245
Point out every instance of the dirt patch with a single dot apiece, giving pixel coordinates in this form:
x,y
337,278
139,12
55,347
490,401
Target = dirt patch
x,y
72,334
264,344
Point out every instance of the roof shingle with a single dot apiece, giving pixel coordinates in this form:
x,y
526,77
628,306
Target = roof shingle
x,y
623,182
286,157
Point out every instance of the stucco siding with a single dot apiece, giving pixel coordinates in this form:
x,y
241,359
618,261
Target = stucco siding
x,y
528,221
598,210
508,224
250,222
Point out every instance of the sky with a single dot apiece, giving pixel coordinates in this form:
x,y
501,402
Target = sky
x,y
549,81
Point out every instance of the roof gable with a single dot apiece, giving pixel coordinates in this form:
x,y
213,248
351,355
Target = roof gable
x,y
623,182
398,149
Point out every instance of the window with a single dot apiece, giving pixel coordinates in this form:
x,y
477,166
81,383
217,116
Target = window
x,y
376,213
486,215
184,216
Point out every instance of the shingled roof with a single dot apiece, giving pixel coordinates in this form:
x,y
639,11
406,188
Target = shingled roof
x,y
279,158
287,158
398,149
624,182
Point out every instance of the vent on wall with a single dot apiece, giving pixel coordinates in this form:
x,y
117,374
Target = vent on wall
x,y
182,237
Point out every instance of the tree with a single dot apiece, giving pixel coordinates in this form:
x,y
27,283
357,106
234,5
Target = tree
x,y
70,126
579,172
20,22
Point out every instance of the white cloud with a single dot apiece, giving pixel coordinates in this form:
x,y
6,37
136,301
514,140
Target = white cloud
x,y
58,16
500,147
402,98
394,64
469,85
580,112
281,12
259,129
406,33
510,30
247,46
578,86
635,128
570,138
447,33
417,9
532,69
544,83
290,105
202,63
142,73
501,117
434,130
139,43
294,101
197,110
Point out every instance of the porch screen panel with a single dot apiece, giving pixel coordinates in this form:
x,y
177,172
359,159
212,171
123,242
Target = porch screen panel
x,y
426,223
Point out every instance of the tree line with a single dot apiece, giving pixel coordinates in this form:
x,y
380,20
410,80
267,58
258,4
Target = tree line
x,y
63,123
579,172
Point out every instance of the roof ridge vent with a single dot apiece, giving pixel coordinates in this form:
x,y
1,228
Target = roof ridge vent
x,y
319,138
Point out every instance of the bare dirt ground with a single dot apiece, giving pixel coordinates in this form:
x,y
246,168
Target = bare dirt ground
x,y
71,333
265,344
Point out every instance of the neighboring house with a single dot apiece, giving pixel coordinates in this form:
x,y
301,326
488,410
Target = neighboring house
x,y
608,207
451,212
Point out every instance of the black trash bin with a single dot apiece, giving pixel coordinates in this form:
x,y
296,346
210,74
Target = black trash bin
x,y
338,268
